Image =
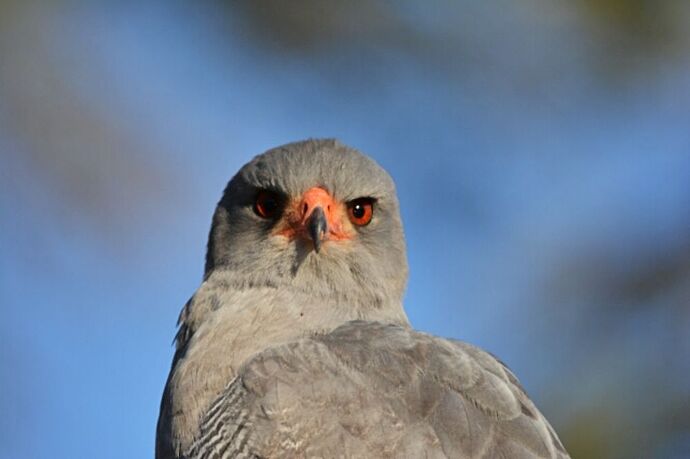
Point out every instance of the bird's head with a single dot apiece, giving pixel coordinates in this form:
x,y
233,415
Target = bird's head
x,y
313,215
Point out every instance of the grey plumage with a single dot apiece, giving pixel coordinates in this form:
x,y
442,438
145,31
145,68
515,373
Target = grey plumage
x,y
285,352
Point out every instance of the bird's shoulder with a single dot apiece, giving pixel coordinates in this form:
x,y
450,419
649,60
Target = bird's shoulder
x,y
368,388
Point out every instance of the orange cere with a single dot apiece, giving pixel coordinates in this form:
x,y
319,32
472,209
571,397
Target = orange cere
x,y
298,212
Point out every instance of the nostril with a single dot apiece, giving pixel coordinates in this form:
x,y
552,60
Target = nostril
x,y
328,208
304,208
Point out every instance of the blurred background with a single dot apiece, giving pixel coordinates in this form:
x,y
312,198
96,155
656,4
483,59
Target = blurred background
x,y
541,150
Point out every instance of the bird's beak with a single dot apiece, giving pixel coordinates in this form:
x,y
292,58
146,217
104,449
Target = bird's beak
x,y
317,227
318,217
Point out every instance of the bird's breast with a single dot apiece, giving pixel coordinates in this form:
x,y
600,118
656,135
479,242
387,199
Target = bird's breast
x,y
229,327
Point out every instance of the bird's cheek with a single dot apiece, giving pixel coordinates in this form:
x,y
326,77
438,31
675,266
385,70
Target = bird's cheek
x,y
339,228
288,227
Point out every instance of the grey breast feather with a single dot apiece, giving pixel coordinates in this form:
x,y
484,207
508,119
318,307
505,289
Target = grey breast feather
x,y
368,389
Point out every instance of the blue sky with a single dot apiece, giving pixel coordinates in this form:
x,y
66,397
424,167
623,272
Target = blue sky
x,y
513,176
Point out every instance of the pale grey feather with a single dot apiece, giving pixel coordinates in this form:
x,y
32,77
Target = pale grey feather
x,y
369,389
264,366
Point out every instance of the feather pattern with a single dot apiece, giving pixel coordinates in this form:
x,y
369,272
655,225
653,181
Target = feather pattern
x,y
369,389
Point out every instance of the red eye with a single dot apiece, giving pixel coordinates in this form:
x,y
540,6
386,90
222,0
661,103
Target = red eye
x,y
360,211
268,204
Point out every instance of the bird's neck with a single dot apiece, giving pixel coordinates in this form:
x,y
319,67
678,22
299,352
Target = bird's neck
x,y
257,316
235,319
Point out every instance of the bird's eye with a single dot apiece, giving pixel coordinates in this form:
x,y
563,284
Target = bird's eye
x,y
268,204
360,211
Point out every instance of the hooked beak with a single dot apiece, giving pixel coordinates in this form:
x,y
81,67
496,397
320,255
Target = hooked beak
x,y
317,216
317,227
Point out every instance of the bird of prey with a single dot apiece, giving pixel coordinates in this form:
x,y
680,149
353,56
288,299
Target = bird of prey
x,y
296,343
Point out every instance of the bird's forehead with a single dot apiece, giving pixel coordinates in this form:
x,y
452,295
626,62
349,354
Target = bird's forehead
x,y
342,171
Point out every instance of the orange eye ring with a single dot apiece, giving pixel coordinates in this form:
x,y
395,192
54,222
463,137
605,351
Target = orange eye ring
x,y
360,211
268,204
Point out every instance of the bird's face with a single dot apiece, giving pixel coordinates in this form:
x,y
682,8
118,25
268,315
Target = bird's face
x,y
313,215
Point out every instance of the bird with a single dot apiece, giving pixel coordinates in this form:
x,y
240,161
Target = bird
x,y
296,343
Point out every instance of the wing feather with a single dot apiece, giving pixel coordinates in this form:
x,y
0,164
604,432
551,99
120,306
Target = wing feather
x,y
374,390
